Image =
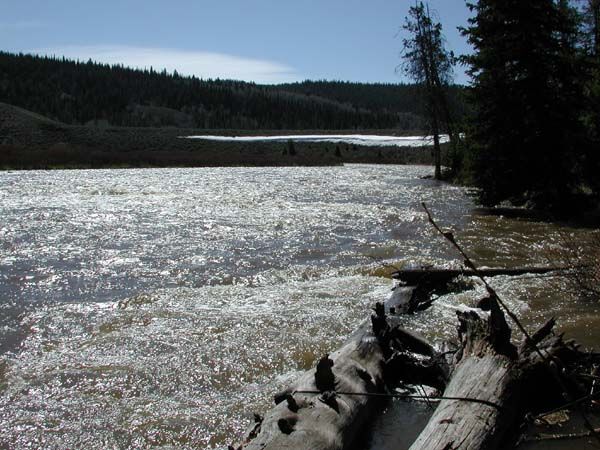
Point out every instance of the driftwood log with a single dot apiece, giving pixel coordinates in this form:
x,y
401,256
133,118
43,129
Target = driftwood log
x,y
489,384
428,281
505,383
314,413
485,370
413,277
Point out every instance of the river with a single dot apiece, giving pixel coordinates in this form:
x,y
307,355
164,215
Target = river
x,y
163,307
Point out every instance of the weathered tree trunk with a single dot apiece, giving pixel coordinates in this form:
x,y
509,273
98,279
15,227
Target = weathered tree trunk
x,y
413,277
312,421
495,383
307,421
485,372
487,388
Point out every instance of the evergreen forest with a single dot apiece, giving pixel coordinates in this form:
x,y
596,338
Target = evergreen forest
x,y
79,93
533,134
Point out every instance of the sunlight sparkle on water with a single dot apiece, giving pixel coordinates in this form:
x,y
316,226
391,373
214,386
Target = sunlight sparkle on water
x,y
165,306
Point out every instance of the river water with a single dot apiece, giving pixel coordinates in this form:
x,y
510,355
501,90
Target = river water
x,y
163,307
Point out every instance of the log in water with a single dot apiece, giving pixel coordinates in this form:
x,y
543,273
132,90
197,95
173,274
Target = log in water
x,y
439,276
308,414
166,306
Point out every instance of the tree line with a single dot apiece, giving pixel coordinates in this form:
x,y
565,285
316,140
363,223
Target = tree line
x,y
76,92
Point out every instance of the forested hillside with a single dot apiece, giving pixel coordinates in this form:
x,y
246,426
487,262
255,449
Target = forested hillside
x,y
375,97
81,93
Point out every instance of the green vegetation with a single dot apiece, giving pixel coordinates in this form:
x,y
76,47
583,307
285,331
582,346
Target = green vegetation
x,y
403,99
66,114
590,33
427,62
533,136
30,141
79,93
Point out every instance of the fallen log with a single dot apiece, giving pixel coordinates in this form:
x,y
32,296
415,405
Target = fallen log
x,y
414,277
562,437
314,414
485,371
507,381
489,385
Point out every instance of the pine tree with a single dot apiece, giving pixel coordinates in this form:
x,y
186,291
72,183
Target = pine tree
x,y
428,63
524,95
591,117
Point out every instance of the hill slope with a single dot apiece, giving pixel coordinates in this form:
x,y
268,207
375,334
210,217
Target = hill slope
x,y
89,93
19,126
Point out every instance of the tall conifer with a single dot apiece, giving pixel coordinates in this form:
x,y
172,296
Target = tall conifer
x,y
524,96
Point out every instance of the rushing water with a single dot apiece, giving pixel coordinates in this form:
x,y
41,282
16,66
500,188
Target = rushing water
x,y
143,308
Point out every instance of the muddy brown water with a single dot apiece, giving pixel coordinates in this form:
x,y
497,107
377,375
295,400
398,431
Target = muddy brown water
x,y
163,307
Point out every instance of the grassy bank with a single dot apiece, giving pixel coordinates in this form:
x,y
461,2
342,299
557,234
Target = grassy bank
x,y
30,141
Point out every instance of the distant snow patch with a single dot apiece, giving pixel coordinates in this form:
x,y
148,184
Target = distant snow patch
x,y
358,139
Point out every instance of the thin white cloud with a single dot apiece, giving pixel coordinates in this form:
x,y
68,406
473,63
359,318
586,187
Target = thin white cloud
x,y
21,25
201,64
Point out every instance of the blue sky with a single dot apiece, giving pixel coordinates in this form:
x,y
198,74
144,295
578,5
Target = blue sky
x,y
266,41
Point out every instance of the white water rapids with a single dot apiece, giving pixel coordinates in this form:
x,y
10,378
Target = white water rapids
x,y
163,307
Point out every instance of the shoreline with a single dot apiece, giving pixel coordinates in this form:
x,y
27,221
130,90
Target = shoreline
x,y
29,141
119,155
